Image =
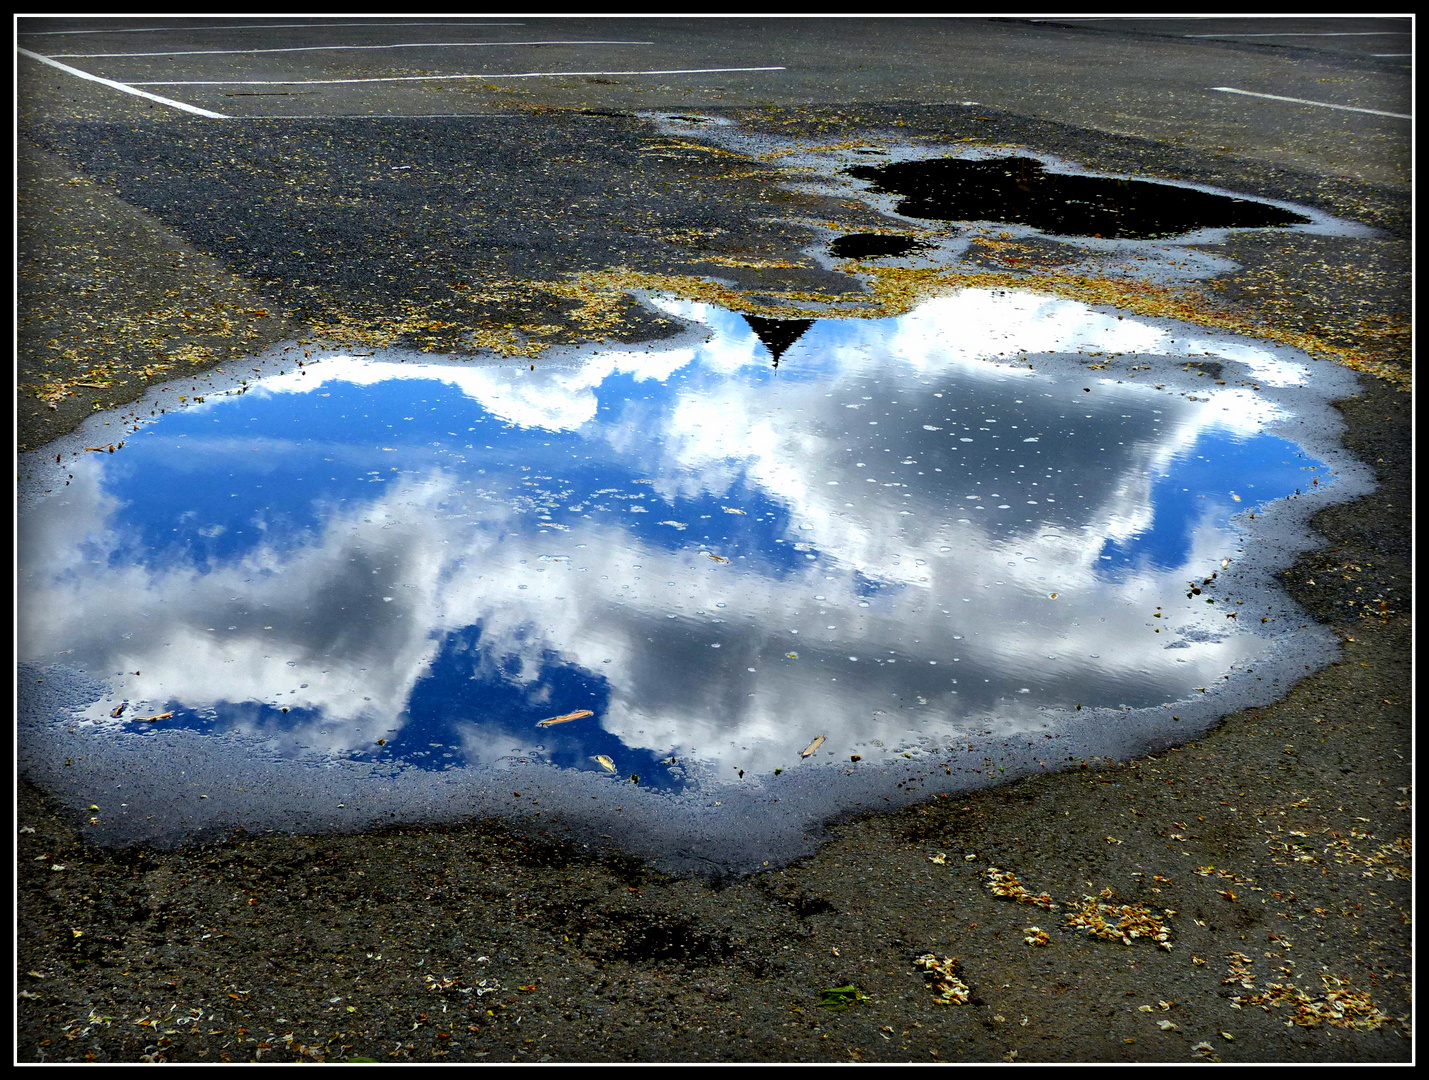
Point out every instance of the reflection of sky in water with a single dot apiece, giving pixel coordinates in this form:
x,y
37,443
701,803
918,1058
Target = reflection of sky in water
x,y
719,559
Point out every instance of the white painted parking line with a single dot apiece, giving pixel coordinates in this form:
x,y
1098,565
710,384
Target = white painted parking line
x,y
252,26
1354,33
335,48
1392,54
435,78
123,86
1306,101
389,116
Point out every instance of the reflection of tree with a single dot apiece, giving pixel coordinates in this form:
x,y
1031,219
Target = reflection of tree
x,y
778,334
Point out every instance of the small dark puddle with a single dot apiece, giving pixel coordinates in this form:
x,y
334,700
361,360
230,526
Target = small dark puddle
x,y
777,334
872,246
1019,190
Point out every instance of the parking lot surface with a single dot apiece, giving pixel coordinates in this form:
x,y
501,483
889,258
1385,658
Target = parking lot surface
x,y
194,191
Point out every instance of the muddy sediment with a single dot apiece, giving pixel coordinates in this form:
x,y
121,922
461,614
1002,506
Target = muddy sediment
x,y
1273,851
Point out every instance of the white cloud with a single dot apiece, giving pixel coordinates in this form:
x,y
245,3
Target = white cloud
x,y
960,599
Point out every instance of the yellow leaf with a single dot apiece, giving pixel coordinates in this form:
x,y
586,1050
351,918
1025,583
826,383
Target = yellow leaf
x,y
553,720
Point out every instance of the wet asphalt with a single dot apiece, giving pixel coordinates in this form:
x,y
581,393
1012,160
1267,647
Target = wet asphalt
x,y
452,215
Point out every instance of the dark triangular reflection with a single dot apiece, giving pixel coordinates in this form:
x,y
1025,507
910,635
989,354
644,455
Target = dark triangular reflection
x,y
778,334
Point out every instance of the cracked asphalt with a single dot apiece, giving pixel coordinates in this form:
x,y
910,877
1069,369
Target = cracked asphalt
x,y
511,215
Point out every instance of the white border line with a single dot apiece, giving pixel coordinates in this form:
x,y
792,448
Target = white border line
x,y
254,26
388,116
1306,101
1355,33
332,48
435,78
123,86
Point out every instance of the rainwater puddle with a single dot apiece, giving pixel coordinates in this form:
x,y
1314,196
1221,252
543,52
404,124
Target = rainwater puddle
x,y
946,543
872,246
1022,191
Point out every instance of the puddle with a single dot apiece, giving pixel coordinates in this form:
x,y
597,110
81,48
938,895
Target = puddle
x,y
957,545
964,200
1020,190
872,246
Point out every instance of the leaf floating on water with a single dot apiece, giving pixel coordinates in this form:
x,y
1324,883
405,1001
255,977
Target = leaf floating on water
x,y
604,762
577,715
734,510
119,709
812,747
156,716
716,558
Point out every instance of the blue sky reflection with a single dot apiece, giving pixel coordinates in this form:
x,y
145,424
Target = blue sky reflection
x,y
902,531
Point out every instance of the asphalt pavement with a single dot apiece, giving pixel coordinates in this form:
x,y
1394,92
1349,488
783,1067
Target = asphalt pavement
x,y
1155,79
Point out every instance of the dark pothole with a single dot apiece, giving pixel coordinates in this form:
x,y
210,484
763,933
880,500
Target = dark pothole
x,y
1019,190
872,246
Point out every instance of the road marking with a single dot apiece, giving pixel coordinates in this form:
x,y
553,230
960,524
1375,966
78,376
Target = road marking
x,y
390,116
123,86
1392,54
332,48
432,78
1305,101
253,26
1355,33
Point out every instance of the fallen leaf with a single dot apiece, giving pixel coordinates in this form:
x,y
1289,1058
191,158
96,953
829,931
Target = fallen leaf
x,y
604,762
156,716
577,715
838,998
812,747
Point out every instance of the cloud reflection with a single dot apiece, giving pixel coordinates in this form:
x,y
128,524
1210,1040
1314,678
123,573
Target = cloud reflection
x,y
900,534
